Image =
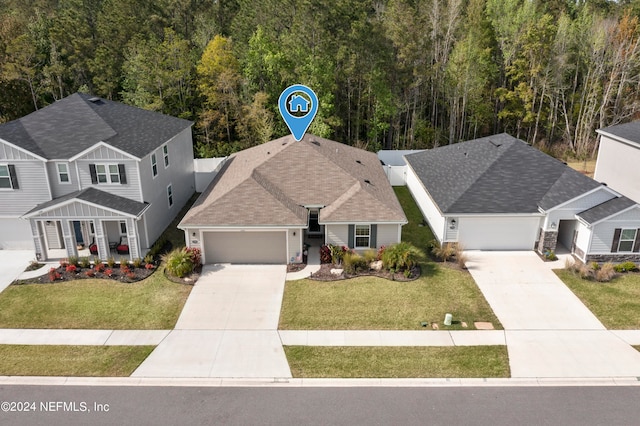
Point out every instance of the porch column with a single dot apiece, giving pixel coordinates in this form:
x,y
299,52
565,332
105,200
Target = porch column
x,y
132,239
69,239
101,241
38,239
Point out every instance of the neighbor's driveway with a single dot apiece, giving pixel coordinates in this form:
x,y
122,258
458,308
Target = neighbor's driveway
x,y
228,327
548,330
12,263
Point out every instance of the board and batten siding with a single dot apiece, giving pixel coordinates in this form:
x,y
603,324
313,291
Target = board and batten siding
x,y
33,188
426,205
602,233
179,174
617,166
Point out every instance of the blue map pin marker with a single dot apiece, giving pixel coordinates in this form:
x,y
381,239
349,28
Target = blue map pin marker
x,y
298,99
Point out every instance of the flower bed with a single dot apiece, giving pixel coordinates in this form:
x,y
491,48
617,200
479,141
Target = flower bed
x,y
127,273
324,274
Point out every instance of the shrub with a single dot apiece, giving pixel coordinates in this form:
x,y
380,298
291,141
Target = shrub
x,y
124,269
606,273
131,275
380,252
54,275
97,260
625,267
158,247
196,256
461,257
354,263
111,262
595,266
124,261
401,256
370,256
108,272
99,267
443,252
73,260
71,268
149,266
84,262
178,262
90,273
64,262
337,253
407,273
137,262
584,271
325,254
148,258
550,255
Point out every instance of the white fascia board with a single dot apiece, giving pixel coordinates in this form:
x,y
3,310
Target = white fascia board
x,y
75,200
36,156
596,189
237,228
106,145
360,222
614,215
618,138
493,215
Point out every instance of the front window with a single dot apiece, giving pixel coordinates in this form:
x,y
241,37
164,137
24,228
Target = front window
x,y
123,228
107,173
165,153
627,237
154,165
170,195
63,173
363,233
114,174
5,178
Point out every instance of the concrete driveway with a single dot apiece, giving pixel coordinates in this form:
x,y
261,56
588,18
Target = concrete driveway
x,y
549,332
227,328
12,263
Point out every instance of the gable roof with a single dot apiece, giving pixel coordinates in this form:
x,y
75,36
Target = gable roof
x,y
78,122
96,197
496,174
606,209
626,131
270,185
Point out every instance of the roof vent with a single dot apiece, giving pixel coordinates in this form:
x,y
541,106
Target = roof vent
x,y
358,161
604,184
268,152
315,143
497,145
95,100
284,143
368,181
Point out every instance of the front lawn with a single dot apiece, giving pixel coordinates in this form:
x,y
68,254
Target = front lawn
x,y
81,361
398,362
153,303
616,303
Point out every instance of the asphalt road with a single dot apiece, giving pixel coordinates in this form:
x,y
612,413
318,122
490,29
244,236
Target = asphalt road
x,y
67,405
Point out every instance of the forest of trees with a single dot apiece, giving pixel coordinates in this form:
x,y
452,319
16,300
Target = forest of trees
x,y
402,74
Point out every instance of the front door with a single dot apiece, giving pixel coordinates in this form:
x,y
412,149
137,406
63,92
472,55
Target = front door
x,y
315,229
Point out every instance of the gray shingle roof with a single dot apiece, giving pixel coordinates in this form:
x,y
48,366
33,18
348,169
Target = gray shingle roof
x,y
606,209
496,174
628,131
97,197
77,122
269,184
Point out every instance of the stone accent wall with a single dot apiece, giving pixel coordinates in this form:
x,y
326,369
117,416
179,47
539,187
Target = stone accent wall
x,y
614,257
548,241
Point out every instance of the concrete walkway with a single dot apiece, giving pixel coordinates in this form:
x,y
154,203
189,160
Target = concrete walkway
x,y
82,337
313,265
392,338
228,327
12,264
549,332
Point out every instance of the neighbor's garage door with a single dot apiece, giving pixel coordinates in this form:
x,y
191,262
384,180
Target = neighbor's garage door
x,y
245,247
498,233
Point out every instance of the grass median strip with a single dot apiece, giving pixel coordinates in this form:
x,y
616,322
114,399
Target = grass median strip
x,y
616,303
154,303
80,361
398,362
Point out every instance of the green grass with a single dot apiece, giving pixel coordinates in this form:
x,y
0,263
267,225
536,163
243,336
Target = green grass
x,y
587,167
616,303
83,361
378,304
398,362
172,233
153,303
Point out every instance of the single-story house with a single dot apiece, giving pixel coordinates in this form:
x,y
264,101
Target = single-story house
x,y
269,200
498,193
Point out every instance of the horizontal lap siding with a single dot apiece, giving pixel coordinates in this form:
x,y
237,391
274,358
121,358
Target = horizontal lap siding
x,y
337,234
59,189
387,235
426,205
603,232
618,167
33,189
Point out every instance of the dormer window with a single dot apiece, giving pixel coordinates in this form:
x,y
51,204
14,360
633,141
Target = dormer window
x,y
63,173
165,153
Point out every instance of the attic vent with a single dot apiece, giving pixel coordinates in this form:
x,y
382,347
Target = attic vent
x,y
497,145
268,152
95,100
284,143
367,181
315,143
358,161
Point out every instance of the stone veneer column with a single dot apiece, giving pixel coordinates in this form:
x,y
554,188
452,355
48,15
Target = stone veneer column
x,y
548,241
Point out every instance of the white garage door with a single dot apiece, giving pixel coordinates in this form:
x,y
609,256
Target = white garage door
x,y
245,247
498,233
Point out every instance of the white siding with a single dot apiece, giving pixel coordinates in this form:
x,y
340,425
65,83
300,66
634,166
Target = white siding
x,y
602,233
498,232
617,166
59,189
565,232
205,169
337,235
426,205
397,175
586,202
129,190
15,234
10,153
294,244
584,235
387,235
104,153
33,188
179,174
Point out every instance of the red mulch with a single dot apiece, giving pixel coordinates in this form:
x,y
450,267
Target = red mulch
x,y
324,274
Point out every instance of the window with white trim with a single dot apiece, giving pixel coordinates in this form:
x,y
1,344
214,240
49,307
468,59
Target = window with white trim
x,y
362,236
627,237
5,178
170,195
123,227
165,153
107,173
154,165
63,173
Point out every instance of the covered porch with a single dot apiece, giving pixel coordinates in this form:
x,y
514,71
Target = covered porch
x,y
89,222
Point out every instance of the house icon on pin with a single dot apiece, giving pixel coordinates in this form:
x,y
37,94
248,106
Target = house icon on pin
x,y
298,104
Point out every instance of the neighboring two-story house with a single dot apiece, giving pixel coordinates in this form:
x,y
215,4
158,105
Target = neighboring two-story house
x,y
619,159
89,172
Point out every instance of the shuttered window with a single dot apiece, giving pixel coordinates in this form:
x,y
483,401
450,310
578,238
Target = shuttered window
x,y
108,173
8,177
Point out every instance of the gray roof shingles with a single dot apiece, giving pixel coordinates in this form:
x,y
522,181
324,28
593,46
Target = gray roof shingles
x,y
97,197
606,209
628,131
77,122
269,184
496,174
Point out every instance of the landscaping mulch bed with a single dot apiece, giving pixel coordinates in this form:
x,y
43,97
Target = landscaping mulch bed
x,y
188,279
61,274
295,267
324,274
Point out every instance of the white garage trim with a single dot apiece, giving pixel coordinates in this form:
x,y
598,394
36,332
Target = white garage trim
x,y
245,246
498,232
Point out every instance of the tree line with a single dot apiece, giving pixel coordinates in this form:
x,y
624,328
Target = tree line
x,y
394,74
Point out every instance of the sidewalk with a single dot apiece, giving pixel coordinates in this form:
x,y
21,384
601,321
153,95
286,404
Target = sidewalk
x,y
10,336
313,265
